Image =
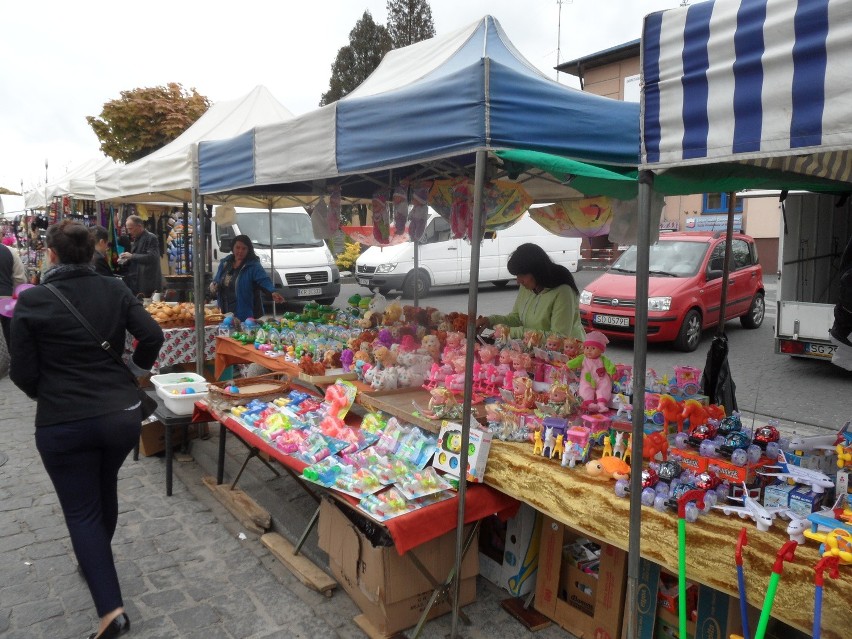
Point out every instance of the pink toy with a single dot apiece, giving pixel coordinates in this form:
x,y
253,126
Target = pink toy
x,y
595,373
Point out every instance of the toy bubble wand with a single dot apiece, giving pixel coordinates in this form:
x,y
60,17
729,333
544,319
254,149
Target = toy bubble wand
x,y
830,563
786,553
698,497
738,556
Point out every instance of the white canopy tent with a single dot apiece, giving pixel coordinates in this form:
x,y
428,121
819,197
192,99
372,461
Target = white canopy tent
x,y
79,183
169,174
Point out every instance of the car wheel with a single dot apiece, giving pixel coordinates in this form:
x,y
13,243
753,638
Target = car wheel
x,y
756,313
418,279
501,283
690,332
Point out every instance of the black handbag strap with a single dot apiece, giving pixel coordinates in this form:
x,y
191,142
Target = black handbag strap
x,y
104,344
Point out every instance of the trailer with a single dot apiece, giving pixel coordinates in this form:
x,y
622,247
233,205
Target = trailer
x,y
814,232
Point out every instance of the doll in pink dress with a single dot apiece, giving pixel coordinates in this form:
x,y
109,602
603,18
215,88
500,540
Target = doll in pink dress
x,y
596,373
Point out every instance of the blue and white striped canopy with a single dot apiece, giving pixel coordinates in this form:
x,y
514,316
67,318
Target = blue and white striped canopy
x,y
766,82
442,98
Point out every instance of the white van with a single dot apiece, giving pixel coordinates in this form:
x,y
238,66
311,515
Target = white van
x,y
446,262
304,267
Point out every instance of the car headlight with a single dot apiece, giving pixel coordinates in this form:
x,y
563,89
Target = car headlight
x,y
329,256
264,259
586,297
659,303
386,268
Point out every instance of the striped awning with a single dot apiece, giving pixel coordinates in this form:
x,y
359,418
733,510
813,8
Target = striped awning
x,y
762,82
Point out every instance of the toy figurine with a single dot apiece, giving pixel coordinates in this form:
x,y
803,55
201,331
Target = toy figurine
x,y
607,446
653,444
608,468
549,443
501,335
672,412
619,446
571,347
595,373
557,447
443,405
625,408
532,339
554,343
537,443
431,345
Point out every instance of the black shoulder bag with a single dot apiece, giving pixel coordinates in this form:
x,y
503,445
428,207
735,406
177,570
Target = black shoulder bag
x,y
148,403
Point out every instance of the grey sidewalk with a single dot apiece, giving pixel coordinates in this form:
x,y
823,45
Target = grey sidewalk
x,y
184,571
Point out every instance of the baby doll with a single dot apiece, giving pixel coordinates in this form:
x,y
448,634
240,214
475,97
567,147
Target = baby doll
x,y
554,343
532,339
596,373
501,335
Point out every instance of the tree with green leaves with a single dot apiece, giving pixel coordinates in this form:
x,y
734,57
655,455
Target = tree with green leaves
x,y
409,21
368,43
146,119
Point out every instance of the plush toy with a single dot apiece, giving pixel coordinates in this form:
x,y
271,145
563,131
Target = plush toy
x,y
596,373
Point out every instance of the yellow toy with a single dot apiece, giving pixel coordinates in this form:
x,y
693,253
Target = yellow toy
x,y
557,447
607,447
538,445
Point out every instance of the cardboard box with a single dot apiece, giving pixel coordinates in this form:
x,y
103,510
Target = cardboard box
x,y
717,614
447,456
822,460
387,587
799,499
508,551
153,437
586,605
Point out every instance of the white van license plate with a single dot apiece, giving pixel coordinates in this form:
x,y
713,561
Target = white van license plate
x,y
612,320
363,281
305,292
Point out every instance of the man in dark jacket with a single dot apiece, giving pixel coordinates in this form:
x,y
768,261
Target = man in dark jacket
x,y
142,262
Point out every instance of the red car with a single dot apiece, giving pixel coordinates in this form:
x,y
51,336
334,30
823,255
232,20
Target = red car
x,y
684,289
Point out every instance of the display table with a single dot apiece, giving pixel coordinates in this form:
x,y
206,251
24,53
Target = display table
x,y
407,531
591,507
179,346
229,351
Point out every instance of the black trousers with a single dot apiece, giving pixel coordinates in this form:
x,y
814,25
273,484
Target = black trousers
x,y
82,459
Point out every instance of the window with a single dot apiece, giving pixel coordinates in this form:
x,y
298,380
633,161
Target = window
x,y
437,231
715,203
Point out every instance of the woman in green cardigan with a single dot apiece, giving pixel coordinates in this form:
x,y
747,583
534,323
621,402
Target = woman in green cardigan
x,y
547,299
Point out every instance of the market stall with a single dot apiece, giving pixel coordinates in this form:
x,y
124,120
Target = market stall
x,y
179,346
381,134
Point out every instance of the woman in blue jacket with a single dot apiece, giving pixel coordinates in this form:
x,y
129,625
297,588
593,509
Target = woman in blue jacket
x,y
239,280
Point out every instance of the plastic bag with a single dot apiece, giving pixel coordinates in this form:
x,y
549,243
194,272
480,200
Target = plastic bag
x,y
400,207
419,211
381,216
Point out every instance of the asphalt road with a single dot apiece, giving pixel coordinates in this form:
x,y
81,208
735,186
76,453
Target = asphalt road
x,y
794,390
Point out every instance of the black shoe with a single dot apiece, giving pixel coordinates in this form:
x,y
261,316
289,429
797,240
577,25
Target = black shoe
x,y
117,627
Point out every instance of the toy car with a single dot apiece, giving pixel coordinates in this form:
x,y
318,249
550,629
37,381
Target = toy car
x,y
730,424
692,511
650,479
697,435
768,438
739,448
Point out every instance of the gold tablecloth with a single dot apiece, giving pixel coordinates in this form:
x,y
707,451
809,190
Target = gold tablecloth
x,y
592,507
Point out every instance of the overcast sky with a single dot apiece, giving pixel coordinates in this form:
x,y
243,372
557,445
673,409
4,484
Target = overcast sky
x,y
61,61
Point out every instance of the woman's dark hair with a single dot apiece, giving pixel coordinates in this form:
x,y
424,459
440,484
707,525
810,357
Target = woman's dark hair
x,y
531,259
99,233
244,239
72,242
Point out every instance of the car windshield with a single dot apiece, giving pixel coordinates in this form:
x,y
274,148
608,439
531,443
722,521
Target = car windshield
x,y
289,230
669,258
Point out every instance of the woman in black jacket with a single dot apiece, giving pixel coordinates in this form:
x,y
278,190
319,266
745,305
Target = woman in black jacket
x,y
87,414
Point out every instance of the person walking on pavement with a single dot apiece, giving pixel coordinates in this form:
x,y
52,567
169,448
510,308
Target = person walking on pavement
x,y
12,273
88,414
142,262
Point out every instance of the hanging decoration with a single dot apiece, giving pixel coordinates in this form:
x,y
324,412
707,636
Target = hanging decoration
x,y
419,210
503,202
381,216
319,219
588,217
400,207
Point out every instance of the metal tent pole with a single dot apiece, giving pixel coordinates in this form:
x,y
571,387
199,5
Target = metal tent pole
x,y
726,267
272,259
640,354
198,277
476,242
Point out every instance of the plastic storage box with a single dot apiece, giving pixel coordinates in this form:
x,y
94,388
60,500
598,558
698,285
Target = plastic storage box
x,y
176,378
182,403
